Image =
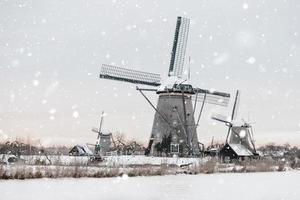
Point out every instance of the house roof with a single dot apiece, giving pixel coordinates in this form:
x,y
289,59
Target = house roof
x,y
240,150
82,150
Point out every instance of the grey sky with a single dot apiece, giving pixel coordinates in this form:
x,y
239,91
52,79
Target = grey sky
x,y
51,53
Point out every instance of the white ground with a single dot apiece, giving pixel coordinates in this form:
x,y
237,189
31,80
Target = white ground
x,y
110,160
252,186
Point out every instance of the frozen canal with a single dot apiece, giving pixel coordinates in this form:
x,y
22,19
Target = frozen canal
x,y
272,185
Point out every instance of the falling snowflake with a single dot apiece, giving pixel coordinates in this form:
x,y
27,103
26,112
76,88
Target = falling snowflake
x,y
251,60
12,97
44,21
35,83
149,20
245,6
75,114
52,111
262,69
37,73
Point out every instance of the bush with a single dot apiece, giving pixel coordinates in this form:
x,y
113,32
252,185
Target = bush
x,y
208,167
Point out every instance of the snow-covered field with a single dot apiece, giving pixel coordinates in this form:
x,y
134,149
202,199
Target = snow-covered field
x,y
252,186
114,161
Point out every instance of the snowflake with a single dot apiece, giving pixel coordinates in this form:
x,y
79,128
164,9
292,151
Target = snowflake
x,y
245,6
35,83
251,60
12,97
52,111
262,68
149,20
75,114
44,21
37,74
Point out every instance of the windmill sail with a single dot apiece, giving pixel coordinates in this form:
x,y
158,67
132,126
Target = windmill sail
x,y
212,97
128,75
179,47
235,106
221,118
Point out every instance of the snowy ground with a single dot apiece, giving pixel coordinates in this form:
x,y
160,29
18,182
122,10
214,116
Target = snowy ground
x,y
272,185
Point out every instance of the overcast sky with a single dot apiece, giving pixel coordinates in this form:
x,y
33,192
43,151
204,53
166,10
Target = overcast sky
x,y
51,53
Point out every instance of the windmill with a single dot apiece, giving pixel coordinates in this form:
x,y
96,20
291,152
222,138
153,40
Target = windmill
x,y
103,142
174,125
237,134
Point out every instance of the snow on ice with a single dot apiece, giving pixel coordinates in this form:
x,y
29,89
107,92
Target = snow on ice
x,y
272,185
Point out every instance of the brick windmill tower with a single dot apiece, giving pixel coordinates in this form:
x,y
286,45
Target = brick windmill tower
x,y
174,125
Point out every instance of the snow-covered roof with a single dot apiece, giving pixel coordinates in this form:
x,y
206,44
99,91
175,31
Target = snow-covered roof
x,y
87,150
83,150
241,150
170,81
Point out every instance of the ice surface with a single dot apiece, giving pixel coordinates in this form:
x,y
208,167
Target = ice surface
x,y
273,185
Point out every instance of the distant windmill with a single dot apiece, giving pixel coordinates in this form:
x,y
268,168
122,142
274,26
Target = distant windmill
x,y
103,142
174,126
242,134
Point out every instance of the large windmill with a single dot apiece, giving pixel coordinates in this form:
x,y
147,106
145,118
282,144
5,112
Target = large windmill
x,y
174,125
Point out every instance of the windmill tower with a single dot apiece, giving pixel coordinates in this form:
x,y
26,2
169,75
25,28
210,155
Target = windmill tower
x,y
237,134
174,127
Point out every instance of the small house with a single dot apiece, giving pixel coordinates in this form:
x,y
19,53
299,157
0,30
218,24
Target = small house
x,y
80,150
235,152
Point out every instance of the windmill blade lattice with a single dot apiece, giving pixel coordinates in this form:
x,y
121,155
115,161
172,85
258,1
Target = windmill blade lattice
x,y
212,97
128,75
179,47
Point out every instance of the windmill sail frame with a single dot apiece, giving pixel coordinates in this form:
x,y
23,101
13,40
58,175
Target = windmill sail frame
x,y
129,75
179,47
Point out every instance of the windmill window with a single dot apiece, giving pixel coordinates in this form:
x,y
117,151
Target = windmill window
x,y
175,148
